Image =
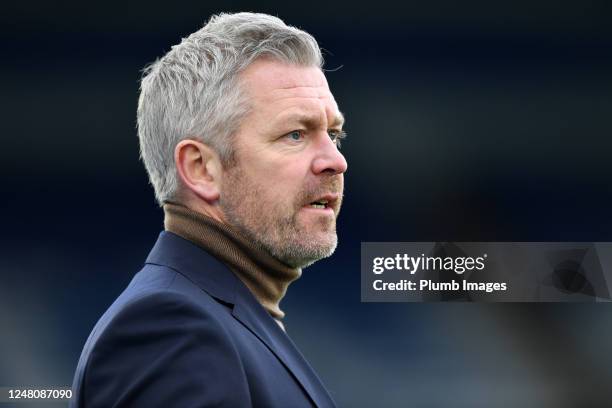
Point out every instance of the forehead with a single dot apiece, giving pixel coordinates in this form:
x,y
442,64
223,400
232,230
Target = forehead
x,y
275,86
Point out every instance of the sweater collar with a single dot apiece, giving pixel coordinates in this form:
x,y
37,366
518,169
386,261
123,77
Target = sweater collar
x,y
265,276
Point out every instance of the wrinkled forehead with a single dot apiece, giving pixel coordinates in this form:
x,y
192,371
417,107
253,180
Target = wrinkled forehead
x,y
273,82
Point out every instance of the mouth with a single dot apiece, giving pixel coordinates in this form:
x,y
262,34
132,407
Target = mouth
x,y
327,201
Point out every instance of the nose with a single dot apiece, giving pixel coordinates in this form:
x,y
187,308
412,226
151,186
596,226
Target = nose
x,y
328,158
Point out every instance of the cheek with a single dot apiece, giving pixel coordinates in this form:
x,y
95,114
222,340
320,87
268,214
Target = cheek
x,y
280,177
285,188
288,173
285,184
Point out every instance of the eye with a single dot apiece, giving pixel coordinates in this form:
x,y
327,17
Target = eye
x,y
295,136
336,136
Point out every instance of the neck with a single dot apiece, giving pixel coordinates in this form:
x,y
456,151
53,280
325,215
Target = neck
x,y
265,276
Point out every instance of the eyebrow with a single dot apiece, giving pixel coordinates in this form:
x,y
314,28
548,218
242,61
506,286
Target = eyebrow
x,y
311,120
338,120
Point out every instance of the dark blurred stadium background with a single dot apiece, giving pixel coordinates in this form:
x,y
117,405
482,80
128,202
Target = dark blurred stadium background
x,y
467,121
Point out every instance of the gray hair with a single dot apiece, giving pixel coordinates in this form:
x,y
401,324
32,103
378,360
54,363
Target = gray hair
x,y
193,91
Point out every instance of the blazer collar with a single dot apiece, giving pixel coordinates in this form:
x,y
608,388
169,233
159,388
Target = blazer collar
x,y
219,281
191,261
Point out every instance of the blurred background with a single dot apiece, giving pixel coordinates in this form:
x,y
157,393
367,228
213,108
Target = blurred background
x,y
467,121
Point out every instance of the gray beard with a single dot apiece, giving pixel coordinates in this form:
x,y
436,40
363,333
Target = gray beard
x,y
289,253
281,236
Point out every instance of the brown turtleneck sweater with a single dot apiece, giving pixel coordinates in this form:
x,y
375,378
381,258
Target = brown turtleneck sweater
x,y
264,275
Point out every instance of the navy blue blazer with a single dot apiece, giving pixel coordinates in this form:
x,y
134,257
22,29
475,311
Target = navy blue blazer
x,y
188,333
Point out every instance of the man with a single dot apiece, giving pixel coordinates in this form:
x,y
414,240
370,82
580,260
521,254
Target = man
x,y
239,134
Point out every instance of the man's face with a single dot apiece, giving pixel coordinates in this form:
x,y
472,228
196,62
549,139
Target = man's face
x,y
285,189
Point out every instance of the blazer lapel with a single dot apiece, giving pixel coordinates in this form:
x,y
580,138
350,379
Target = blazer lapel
x,y
216,279
252,315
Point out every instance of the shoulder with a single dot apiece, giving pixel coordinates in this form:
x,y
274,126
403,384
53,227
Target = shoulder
x,y
163,343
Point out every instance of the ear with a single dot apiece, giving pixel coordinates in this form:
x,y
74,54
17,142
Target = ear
x,y
199,168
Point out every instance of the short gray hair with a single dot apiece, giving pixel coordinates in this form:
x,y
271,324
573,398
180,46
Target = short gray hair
x,y
193,92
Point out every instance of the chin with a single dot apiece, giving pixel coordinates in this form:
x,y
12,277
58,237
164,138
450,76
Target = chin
x,y
309,249
323,247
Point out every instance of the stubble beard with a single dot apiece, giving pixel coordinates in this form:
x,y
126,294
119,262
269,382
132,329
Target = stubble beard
x,y
275,226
